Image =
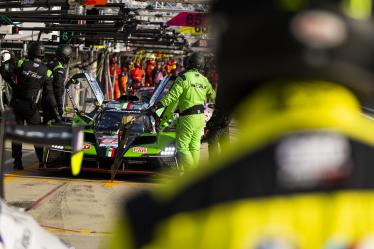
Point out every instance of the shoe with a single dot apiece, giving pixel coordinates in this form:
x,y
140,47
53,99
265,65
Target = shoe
x,y
41,165
18,165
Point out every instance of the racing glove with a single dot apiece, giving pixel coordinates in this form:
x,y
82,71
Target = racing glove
x,y
60,111
57,115
152,110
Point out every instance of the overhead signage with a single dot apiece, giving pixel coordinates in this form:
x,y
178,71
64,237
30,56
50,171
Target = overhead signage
x,y
193,30
66,36
95,2
189,19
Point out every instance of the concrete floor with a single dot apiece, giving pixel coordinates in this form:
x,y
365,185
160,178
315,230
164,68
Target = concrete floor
x,y
78,210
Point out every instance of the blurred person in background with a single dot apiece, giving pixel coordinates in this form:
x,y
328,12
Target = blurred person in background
x,y
157,74
168,68
173,65
137,75
57,66
301,175
123,80
129,66
114,70
150,65
178,69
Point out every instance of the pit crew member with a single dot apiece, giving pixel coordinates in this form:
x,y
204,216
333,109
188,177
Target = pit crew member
x,y
57,66
190,90
33,78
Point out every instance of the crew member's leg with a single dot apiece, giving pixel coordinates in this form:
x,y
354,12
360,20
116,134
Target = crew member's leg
x,y
36,120
48,115
197,122
183,140
117,92
17,147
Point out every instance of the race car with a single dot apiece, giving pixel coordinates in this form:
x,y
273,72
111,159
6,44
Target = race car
x,y
148,152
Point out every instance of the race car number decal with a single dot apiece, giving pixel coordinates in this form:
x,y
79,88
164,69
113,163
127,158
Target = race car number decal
x,y
140,150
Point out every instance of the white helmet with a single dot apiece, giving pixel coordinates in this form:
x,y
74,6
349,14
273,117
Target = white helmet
x,y
5,56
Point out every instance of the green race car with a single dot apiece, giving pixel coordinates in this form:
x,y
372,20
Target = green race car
x,y
147,150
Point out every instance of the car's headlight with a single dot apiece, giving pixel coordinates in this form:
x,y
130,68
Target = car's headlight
x,y
168,151
58,147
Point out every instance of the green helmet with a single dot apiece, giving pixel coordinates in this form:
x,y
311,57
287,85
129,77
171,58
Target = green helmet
x,y
328,40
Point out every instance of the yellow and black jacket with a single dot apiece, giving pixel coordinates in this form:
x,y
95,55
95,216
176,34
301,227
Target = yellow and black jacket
x,y
300,176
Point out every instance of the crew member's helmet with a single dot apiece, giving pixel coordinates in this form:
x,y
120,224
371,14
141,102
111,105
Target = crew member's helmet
x,y
64,53
330,40
35,50
195,61
5,56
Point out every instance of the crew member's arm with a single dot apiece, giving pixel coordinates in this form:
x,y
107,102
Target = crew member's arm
x,y
58,88
175,92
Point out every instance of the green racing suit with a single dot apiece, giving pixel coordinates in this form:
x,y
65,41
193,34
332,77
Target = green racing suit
x,y
190,91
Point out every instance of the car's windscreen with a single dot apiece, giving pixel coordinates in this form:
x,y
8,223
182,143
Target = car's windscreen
x,y
83,97
165,91
110,121
145,95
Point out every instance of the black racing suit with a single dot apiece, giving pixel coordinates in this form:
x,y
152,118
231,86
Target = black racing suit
x,y
33,78
58,73
218,131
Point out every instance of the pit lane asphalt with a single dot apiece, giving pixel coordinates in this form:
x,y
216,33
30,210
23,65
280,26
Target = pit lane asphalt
x,y
79,210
